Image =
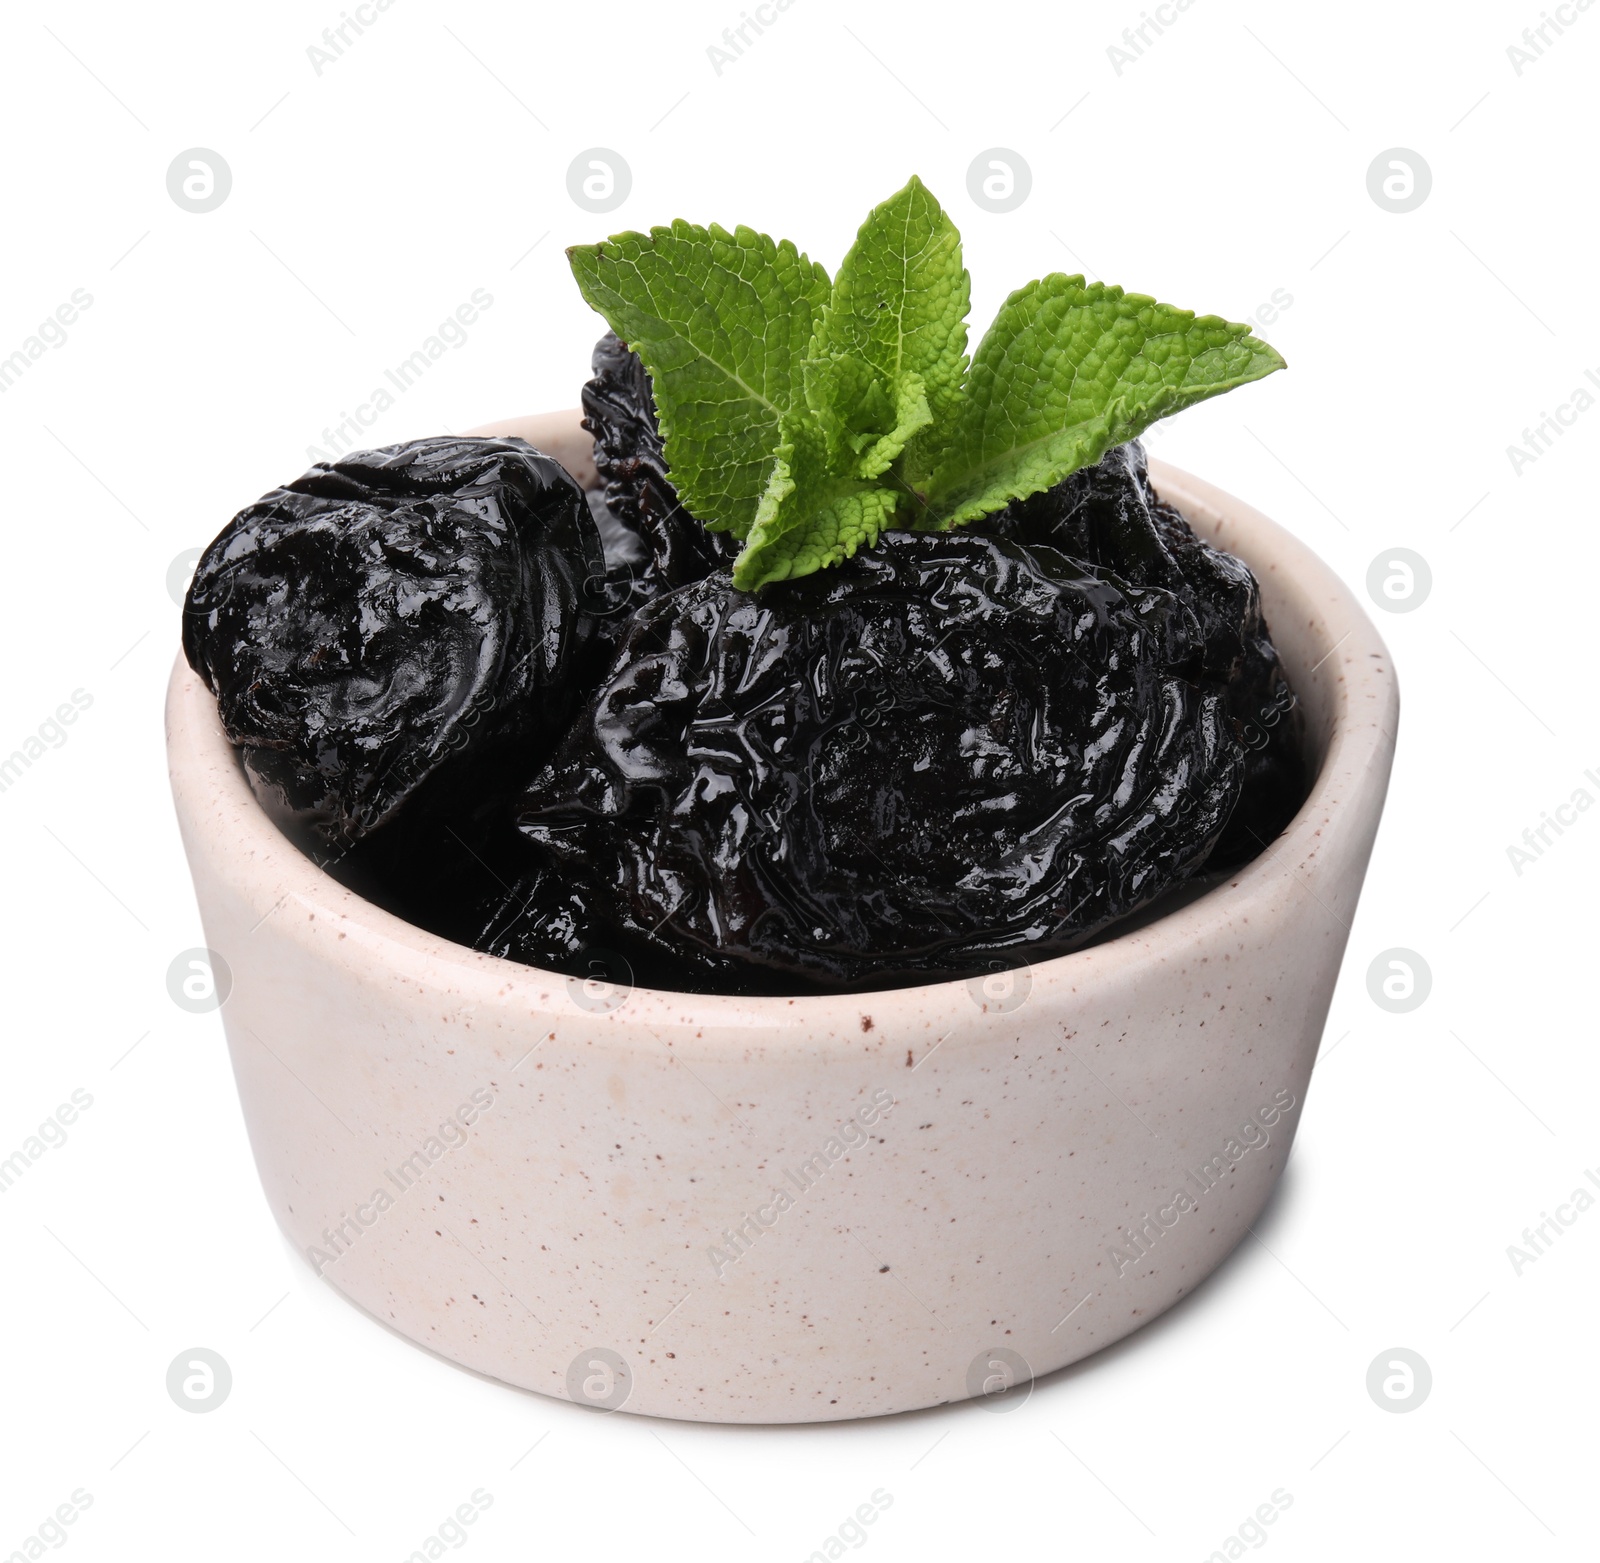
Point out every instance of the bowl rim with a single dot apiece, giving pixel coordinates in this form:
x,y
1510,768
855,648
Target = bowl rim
x,y
268,872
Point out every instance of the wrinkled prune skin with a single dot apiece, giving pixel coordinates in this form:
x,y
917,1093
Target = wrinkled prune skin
x,y
401,629
669,547
948,747
1110,515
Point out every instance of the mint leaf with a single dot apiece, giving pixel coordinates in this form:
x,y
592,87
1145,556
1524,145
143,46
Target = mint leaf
x,y
1067,370
892,333
866,421
885,363
721,321
809,517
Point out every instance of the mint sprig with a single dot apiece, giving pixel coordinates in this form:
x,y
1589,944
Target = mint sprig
x,y
894,329
806,417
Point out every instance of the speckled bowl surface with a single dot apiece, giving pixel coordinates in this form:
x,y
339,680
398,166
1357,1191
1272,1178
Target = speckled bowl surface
x,y
785,1210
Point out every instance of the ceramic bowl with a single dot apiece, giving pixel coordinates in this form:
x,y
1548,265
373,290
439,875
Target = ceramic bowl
x,y
791,1209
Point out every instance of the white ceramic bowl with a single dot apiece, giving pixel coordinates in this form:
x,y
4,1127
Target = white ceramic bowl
x,y
785,1210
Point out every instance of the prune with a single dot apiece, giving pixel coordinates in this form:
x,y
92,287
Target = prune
x,y
1110,515
670,548
950,751
403,628
948,746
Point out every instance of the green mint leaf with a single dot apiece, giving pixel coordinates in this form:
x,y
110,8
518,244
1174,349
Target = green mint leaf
x,y
885,364
890,346
865,421
808,517
722,321
1067,370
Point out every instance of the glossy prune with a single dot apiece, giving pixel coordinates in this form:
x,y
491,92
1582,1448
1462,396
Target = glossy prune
x,y
670,547
948,747
399,629
1110,515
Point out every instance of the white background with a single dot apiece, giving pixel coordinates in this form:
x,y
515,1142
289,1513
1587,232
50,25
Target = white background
x,y
1229,160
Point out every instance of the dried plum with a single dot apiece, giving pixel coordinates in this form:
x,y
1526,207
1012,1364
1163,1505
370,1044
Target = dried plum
x,y
670,548
401,628
949,746
953,749
1110,515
